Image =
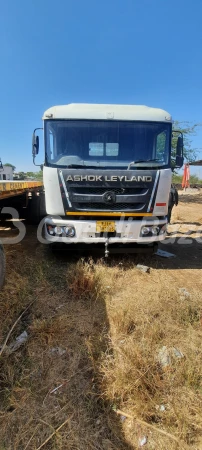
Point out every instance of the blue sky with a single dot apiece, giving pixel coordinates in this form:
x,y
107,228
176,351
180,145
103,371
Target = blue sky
x,y
110,51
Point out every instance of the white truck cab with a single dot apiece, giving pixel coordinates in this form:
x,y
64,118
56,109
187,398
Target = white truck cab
x,y
107,173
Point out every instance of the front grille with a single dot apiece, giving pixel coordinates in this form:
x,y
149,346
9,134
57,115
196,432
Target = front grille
x,y
101,190
105,207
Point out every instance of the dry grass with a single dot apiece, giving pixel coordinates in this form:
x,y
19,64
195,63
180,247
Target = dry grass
x,y
135,381
95,330
55,376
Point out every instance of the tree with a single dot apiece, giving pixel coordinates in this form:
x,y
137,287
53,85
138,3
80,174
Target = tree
x,y
39,175
10,165
189,130
194,179
22,175
31,174
35,175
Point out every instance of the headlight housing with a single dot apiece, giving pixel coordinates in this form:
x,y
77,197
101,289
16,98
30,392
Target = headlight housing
x,y
152,230
58,230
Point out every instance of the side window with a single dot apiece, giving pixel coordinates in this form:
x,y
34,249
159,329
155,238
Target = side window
x,y
51,146
51,154
161,145
51,143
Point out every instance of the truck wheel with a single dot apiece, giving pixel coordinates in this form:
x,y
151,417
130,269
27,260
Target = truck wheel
x,y
2,266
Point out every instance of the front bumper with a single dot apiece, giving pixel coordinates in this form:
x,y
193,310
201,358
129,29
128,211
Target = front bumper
x,y
127,231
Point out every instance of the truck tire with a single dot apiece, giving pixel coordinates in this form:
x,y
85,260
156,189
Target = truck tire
x,y
2,266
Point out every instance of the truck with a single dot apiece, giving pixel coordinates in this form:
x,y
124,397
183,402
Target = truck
x,y
107,174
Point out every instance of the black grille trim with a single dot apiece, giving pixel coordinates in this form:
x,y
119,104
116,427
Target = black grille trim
x,y
130,207
101,190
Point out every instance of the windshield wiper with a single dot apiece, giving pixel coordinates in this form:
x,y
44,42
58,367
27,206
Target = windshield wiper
x,y
132,163
76,166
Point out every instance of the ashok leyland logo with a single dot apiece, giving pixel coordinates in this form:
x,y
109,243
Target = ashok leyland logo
x,y
109,197
137,179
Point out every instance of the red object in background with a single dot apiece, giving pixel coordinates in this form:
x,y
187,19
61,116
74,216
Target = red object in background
x,y
186,177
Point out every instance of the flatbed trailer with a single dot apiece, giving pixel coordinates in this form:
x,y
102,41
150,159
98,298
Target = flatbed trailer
x,y
9,189
20,194
23,195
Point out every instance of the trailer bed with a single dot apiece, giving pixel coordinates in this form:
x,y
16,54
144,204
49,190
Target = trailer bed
x,y
10,189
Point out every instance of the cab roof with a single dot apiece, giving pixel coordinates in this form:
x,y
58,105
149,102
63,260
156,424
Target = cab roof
x,y
103,112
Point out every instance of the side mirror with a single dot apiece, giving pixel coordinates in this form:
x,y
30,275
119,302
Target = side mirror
x,y
35,145
179,161
179,152
177,146
179,149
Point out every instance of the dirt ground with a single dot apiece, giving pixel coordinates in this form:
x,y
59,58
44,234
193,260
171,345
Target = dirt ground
x,y
94,329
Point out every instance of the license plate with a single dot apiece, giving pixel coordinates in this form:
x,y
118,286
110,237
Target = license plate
x,y
104,226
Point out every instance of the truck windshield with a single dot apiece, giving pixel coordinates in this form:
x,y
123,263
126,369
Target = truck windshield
x,y
107,144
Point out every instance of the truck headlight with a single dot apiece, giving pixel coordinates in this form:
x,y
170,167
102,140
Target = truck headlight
x,y
151,230
58,231
145,231
155,230
70,231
